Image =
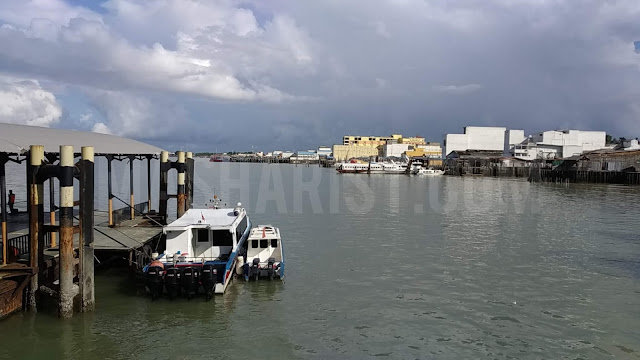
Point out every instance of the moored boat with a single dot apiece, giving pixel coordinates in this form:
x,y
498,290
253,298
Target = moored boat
x,y
430,172
202,249
265,256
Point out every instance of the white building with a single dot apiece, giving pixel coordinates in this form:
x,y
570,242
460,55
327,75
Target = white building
x,y
395,150
559,144
477,138
631,144
324,151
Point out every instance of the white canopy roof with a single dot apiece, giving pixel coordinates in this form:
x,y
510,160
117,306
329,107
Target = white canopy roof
x,y
16,139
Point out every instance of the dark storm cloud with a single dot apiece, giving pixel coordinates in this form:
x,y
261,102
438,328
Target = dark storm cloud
x,y
294,75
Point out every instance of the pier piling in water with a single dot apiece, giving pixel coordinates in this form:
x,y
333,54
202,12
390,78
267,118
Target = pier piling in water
x,y
86,276
3,202
131,202
165,165
180,166
67,291
36,213
189,173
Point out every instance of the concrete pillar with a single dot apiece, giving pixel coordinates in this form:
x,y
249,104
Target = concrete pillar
x,y
131,201
86,276
36,214
3,203
181,191
66,292
164,178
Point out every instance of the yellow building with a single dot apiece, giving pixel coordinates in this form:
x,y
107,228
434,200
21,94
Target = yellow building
x,y
368,140
418,140
431,150
346,152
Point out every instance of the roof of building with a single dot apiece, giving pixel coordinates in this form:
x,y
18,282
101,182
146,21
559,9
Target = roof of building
x,y
477,154
16,139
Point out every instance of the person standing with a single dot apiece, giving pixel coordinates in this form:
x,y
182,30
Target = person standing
x,y
12,201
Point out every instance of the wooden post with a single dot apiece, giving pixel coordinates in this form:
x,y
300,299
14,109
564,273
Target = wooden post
x,y
36,214
86,276
149,183
109,159
67,291
163,198
3,202
131,202
52,211
181,193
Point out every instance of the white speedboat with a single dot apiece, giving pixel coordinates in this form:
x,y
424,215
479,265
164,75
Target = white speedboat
x,y
202,250
430,172
392,167
265,257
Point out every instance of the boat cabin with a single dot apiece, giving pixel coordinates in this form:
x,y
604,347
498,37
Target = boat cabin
x,y
264,243
204,235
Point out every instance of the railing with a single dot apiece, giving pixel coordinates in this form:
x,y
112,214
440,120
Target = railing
x,y
20,245
124,213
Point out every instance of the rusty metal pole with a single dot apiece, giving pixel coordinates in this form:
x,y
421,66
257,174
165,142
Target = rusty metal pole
x,y
188,184
149,183
52,211
164,179
3,202
110,202
131,202
36,214
86,276
67,291
181,193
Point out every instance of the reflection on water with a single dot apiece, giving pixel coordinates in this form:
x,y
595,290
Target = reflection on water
x,y
388,266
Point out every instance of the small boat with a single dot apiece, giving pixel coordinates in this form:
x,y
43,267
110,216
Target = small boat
x,y
359,168
265,257
392,167
203,248
430,172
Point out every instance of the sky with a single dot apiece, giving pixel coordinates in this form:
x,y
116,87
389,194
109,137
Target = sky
x,y
224,75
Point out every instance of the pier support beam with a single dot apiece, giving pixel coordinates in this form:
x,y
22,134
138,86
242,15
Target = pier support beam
x,y
86,276
36,214
149,183
110,203
131,202
52,211
164,174
66,293
180,166
189,179
3,202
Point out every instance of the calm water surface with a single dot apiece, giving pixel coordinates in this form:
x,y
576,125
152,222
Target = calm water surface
x,y
385,266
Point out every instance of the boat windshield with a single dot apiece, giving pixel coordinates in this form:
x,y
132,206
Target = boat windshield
x,y
222,238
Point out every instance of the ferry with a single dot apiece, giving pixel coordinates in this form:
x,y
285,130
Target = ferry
x,y
265,257
430,172
202,251
390,167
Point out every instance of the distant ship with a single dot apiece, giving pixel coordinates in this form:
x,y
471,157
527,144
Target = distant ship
x,y
217,158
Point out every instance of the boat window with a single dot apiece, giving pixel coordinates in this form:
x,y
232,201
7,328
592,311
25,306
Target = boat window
x,y
264,244
203,235
222,238
242,226
274,243
254,244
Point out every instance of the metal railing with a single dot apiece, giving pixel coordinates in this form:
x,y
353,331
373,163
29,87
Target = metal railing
x,y
21,245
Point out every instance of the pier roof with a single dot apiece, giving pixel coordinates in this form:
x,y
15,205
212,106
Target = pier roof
x,y
16,139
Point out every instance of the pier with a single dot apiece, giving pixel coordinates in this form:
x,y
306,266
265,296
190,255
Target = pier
x,y
50,257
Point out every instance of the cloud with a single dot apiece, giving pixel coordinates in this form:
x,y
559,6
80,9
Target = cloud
x,y
26,102
159,68
101,128
457,89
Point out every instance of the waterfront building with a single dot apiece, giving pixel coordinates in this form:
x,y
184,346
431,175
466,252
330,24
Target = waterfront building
x,y
324,151
305,156
559,144
374,141
631,144
477,138
391,149
416,141
431,150
346,152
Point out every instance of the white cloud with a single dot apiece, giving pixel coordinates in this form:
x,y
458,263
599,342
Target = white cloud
x,y
101,128
26,102
457,89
